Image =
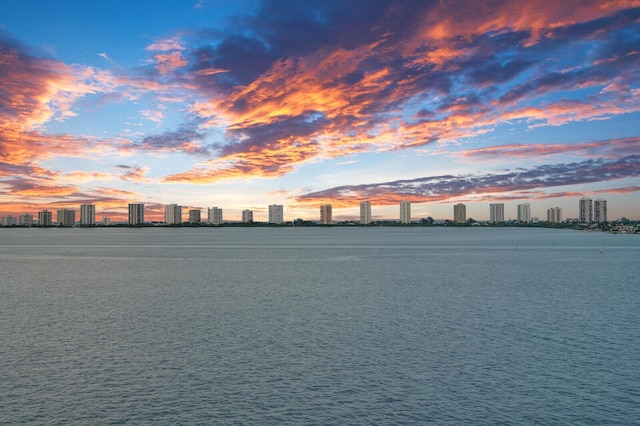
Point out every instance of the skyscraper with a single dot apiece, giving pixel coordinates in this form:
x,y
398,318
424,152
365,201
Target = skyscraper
x,y
405,212
600,210
585,210
87,214
172,214
66,217
194,217
496,213
325,214
247,216
214,216
524,213
25,220
365,212
44,218
554,215
459,213
136,214
276,213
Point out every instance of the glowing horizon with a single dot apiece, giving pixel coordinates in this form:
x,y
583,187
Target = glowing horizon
x,y
205,104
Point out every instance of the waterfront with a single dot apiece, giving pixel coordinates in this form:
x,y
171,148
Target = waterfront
x,y
319,326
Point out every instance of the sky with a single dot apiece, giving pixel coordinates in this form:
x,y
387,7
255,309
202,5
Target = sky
x,y
238,105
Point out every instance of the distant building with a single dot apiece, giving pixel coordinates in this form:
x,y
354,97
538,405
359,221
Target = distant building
x,y
45,218
554,215
194,217
276,213
600,210
459,213
247,216
25,220
106,221
66,217
8,221
214,215
365,212
136,214
585,210
524,213
172,214
325,214
496,213
87,214
405,212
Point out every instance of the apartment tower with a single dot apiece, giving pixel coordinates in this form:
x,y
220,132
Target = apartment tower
x,y
460,213
496,213
405,212
365,212
172,214
600,210
87,214
247,216
276,213
136,214
214,215
585,210
524,213
325,214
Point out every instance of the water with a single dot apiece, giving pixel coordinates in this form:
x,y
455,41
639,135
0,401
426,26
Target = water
x,y
319,326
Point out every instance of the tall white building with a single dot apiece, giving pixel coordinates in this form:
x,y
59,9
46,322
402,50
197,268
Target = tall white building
x,y
66,217
405,212
214,215
496,213
585,207
8,221
247,216
45,218
554,215
276,213
600,210
25,220
172,214
524,213
136,214
194,217
87,214
325,214
459,213
365,212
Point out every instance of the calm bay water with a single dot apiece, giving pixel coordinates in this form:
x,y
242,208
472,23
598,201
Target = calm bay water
x,y
319,326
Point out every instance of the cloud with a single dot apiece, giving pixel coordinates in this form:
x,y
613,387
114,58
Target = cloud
x,y
446,187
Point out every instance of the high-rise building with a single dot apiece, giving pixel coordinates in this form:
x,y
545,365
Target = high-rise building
x,y
365,212
66,217
136,214
247,216
8,221
496,213
600,210
585,210
554,215
214,215
459,213
325,214
194,217
276,213
172,214
25,220
405,212
524,213
87,214
45,218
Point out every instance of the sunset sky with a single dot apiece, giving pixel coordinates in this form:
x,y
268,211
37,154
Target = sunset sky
x,y
248,103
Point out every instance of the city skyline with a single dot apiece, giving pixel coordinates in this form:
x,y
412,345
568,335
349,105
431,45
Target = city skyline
x,y
301,104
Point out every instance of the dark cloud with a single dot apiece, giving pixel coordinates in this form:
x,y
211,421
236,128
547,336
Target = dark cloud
x,y
186,138
449,186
